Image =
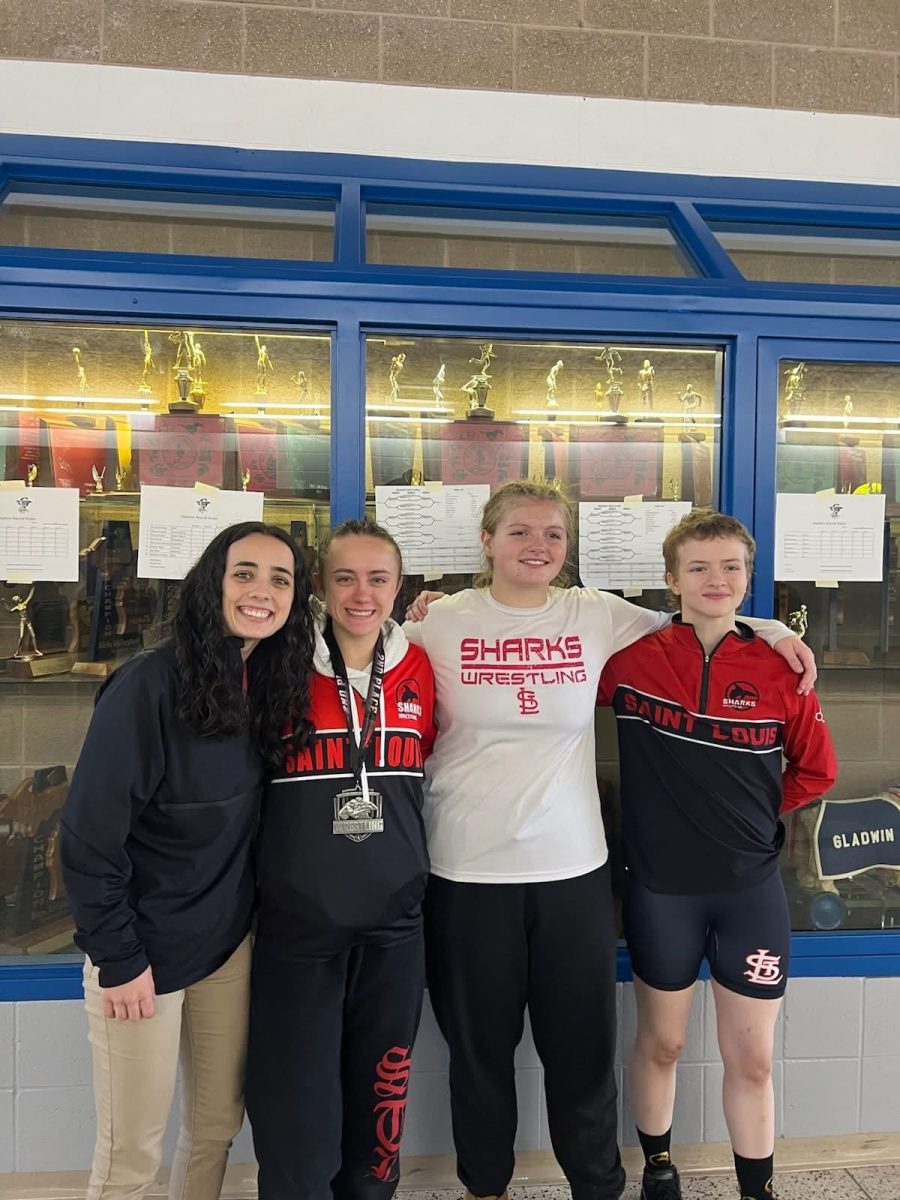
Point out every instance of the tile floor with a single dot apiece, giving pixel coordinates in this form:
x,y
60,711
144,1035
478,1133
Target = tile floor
x,y
859,1183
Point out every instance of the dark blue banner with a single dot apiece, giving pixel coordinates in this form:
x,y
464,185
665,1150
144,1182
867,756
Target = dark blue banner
x,y
857,835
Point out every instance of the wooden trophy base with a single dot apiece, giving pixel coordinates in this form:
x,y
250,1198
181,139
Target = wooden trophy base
x,y
36,668
845,658
95,670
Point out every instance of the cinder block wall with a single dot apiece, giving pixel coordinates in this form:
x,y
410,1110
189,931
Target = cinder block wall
x,y
825,55
837,1061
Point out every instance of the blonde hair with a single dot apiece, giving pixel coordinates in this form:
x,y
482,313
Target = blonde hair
x,y
506,497
703,526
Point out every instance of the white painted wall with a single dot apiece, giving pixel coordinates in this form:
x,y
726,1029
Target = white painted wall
x,y
83,100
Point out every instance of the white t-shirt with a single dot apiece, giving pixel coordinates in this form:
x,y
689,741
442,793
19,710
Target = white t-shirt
x,y
511,789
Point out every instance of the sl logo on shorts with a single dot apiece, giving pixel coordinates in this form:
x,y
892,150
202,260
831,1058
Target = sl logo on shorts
x,y
765,968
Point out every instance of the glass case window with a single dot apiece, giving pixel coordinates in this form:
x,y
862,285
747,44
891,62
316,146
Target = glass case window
x,y
449,419
148,222
522,241
812,254
99,414
839,435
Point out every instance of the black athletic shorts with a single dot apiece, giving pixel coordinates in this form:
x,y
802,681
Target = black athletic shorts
x,y
745,936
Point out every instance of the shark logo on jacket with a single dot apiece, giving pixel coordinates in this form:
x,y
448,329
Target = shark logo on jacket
x,y
741,695
406,697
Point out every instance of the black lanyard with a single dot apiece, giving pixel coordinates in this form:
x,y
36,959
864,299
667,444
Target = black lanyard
x,y
357,751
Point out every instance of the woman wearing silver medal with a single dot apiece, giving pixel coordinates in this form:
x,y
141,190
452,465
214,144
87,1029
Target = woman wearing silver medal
x,y
338,969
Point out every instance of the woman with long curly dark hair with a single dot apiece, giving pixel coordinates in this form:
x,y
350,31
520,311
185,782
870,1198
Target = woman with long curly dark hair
x,y
156,848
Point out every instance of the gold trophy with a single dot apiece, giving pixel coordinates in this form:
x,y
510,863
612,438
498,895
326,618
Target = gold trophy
x,y
29,660
197,390
19,607
690,400
264,367
97,477
798,621
186,403
83,385
478,386
31,477
793,393
610,357
398,362
552,384
437,384
144,388
645,384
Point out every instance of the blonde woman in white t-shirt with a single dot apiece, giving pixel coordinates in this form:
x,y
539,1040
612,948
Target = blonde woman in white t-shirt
x,y
519,911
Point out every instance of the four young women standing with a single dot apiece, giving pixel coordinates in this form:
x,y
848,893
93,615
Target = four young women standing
x,y
519,910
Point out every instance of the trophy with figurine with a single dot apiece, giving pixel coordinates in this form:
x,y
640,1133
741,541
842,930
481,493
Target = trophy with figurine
x,y
479,384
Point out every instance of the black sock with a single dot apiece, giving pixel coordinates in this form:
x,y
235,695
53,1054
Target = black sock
x,y
656,1147
754,1177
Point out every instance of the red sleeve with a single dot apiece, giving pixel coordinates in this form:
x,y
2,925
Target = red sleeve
x,y
428,729
609,681
811,763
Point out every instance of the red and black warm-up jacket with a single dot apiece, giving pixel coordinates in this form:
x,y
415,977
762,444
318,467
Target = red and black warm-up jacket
x,y
701,745
321,892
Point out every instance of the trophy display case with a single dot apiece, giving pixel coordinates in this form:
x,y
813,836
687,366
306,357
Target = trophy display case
x,y
838,440
102,412
605,421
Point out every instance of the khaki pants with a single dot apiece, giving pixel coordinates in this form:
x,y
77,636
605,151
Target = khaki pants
x,y
204,1027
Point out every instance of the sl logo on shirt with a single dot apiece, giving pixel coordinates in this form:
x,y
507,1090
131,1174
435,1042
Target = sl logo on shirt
x,y
528,702
407,700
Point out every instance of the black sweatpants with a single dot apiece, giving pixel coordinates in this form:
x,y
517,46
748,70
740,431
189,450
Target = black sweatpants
x,y
328,1070
493,949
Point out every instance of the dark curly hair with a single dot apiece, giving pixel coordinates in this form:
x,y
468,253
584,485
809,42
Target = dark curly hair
x,y
210,697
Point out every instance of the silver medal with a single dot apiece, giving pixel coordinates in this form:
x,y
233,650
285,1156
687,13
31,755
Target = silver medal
x,y
356,816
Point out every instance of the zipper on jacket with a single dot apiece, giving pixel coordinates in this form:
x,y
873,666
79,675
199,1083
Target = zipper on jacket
x,y
704,678
704,681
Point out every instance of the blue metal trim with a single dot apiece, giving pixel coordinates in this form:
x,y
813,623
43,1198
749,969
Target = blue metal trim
x,y
46,978
348,424
110,269
461,199
813,955
349,232
737,446
702,245
766,217
200,160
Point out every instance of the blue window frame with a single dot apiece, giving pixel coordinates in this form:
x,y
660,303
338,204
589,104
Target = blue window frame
x,y
352,298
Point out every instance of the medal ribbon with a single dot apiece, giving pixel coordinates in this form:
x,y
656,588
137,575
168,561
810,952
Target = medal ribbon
x,y
357,750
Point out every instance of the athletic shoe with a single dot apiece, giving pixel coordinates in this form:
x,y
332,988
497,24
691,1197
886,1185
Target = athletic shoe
x,y
661,1185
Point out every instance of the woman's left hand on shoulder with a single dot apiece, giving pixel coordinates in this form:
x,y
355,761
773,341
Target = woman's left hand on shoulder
x,y
801,659
418,610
